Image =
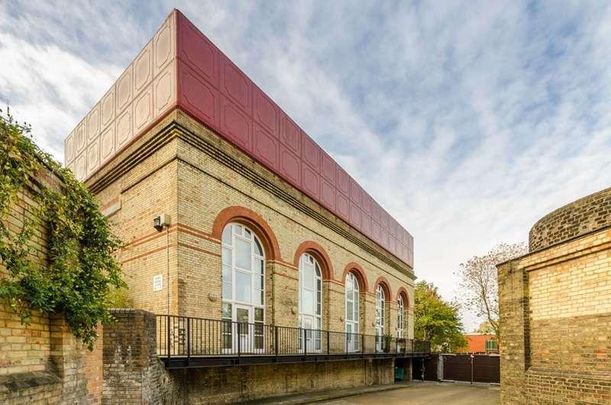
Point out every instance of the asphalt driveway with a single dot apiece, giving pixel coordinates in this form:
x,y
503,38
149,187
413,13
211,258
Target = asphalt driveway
x,y
421,393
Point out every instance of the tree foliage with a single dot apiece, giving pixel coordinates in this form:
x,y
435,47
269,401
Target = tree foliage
x,y
479,282
80,268
437,320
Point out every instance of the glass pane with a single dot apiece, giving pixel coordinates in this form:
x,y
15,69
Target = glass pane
x,y
308,281
226,310
242,315
261,297
258,314
227,235
227,291
307,302
259,266
227,274
258,249
242,286
349,311
243,256
226,257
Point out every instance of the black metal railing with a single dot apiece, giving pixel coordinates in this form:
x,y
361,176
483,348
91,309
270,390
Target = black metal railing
x,y
188,337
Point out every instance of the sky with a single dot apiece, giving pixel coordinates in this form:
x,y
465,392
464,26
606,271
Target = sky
x,y
467,121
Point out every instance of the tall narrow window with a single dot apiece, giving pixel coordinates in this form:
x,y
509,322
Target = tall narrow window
x,y
380,316
400,317
243,278
352,313
310,301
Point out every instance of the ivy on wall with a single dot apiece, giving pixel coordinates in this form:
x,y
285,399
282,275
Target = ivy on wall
x,y
79,272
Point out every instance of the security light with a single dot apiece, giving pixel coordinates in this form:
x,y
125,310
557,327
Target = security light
x,y
160,221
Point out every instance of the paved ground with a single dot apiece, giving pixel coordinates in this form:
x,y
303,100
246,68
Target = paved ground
x,y
428,393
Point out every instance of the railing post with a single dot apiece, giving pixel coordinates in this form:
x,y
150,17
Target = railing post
x,y
276,342
188,340
328,334
239,338
305,346
167,325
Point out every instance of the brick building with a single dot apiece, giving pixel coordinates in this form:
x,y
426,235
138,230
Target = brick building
x,y
480,343
555,305
264,244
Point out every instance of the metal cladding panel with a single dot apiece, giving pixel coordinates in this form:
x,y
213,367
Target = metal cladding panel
x,y
215,91
145,91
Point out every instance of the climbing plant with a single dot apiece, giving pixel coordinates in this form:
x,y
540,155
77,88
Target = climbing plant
x,y
79,269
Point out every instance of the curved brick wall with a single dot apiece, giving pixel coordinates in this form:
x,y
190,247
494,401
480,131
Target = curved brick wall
x,y
577,218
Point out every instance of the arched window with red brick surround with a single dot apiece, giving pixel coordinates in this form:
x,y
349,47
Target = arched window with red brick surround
x,y
402,306
247,242
382,300
355,285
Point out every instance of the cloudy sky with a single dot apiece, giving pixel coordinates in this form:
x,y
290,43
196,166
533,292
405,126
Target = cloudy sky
x,y
467,121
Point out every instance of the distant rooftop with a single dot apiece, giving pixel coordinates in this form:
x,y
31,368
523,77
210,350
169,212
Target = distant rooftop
x,y
181,68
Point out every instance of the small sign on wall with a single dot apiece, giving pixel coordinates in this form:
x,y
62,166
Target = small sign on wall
x,y
158,282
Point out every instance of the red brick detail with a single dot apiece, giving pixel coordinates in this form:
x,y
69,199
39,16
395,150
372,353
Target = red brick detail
x,y
319,254
252,220
403,292
359,272
385,286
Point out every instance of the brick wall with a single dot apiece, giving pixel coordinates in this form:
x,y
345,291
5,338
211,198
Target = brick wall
x,y
577,218
42,362
556,321
182,169
133,374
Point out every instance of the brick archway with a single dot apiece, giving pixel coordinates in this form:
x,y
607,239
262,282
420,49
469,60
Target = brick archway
x,y
402,292
359,272
381,281
252,220
319,254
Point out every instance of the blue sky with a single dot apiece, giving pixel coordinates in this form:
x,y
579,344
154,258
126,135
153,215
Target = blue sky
x,y
467,121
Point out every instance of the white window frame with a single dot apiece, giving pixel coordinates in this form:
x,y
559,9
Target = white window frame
x,y
232,232
400,317
351,291
380,315
307,259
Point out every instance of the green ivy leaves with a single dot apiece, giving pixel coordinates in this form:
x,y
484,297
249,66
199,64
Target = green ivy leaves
x,y
80,269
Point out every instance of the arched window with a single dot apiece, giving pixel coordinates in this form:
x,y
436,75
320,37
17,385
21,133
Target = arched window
x,y
352,313
310,300
243,293
380,318
400,317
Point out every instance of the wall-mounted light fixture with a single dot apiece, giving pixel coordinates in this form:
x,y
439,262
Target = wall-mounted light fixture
x,y
160,221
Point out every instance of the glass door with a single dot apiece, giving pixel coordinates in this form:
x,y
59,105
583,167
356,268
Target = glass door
x,y
352,336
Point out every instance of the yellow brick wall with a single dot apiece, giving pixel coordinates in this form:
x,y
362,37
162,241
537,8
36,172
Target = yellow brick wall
x,y
181,180
556,323
42,362
24,348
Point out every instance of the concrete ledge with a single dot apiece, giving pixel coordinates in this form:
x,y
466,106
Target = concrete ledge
x,y
21,381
